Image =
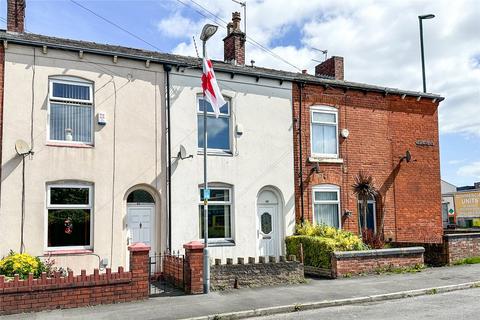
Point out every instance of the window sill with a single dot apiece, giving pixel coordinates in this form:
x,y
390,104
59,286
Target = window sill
x,y
67,252
221,243
69,145
216,153
325,160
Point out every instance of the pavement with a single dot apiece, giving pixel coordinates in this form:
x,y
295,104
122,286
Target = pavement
x,y
459,305
316,293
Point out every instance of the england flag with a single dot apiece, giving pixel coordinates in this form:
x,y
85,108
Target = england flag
x,y
211,91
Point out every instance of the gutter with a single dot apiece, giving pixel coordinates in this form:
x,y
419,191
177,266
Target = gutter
x,y
221,68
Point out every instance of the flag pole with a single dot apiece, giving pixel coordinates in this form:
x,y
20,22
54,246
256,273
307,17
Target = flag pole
x,y
206,262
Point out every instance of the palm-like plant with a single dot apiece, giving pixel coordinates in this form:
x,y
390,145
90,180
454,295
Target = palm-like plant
x,y
364,188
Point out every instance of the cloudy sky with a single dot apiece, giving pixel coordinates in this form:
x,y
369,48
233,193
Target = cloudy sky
x,y
379,40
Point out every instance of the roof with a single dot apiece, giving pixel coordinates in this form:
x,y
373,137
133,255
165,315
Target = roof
x,y
186,61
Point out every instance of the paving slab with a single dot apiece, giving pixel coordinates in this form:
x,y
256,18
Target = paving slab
x,y
315,290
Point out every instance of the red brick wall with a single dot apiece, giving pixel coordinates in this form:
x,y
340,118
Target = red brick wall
x,y
193,267
76,291
357,265
173,269
461,246
332,67
234,47
382,128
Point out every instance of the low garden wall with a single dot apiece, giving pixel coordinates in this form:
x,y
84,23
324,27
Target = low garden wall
x,y
264,272
459,246
77,291
346,263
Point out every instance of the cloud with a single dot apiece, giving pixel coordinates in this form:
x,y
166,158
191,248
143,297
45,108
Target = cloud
x,y
471,170
379,40
177,26
454,162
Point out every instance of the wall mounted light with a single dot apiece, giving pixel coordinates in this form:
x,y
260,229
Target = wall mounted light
x,y
345,133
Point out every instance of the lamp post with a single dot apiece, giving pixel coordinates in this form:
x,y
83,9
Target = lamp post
x,y
207,32
420,20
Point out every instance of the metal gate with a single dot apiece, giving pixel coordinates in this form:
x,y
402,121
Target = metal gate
x,y
167,274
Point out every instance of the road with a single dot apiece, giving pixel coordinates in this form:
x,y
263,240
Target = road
x,y
457,305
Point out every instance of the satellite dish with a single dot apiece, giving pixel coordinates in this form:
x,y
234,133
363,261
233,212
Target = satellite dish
x,y
22,147
182,153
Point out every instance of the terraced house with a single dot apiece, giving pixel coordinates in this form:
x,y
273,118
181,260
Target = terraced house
x,y
112,151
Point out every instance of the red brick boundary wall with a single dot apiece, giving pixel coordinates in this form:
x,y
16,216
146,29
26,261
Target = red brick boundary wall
x,y
345,263
29,295
460,246
173,269
193,267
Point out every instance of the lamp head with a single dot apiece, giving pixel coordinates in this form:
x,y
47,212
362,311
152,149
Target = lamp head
x,y
426,16
208,31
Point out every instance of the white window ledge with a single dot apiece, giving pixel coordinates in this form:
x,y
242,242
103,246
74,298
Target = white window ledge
x,y
325,160
216,153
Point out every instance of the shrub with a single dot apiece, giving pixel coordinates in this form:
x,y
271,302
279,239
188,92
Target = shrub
x,y
21,264
319,241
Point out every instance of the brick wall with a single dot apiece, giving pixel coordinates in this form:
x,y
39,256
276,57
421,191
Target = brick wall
x,y
193,267
255,274
382,128
461,246
332,67
16,15
357,262
173,269
78,291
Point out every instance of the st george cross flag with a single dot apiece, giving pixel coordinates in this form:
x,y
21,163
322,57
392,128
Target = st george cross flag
x,y
211,92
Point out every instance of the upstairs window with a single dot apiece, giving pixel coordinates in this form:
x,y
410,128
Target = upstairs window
x,y
218,129
70,111
324,128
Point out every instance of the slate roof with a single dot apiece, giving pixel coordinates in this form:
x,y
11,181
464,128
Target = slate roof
x,y
186,61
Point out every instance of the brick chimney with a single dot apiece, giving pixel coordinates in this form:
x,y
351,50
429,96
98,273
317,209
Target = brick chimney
x,y
332,67
234,42
16,15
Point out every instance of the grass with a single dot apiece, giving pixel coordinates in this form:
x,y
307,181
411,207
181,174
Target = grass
x,y
400,270
472,260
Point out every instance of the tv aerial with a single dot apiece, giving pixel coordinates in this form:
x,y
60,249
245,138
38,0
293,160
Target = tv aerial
x,y
324,52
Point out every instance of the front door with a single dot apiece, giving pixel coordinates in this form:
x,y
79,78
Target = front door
x,y
140,224
371,216
267,230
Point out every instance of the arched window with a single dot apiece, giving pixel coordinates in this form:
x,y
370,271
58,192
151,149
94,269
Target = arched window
x,y
70,110
326,205
140,196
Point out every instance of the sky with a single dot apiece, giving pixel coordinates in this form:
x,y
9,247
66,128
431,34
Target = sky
x,y
379,41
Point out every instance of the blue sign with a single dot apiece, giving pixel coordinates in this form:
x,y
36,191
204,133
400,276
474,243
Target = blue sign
x,y
206,194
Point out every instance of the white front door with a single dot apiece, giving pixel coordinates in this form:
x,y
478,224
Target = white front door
x,y
141,224
267,230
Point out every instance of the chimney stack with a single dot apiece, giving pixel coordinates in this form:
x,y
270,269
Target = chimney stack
x,y
16,15
234,42
332,67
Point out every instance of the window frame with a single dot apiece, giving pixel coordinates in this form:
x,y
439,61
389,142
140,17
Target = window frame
x,y
230,239
69,101
327,188
49,206
327,110
222,115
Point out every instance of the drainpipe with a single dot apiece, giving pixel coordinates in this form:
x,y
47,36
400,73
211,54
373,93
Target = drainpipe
x,y
300,87
167,69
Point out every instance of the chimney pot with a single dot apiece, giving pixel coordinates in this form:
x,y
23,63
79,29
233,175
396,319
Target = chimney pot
x,y
332,67
234,42
16,15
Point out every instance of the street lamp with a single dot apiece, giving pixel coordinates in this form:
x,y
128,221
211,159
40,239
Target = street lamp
x,y
207,32
420,20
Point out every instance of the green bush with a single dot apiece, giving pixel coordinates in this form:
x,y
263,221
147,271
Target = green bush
x,y
319,241
21,264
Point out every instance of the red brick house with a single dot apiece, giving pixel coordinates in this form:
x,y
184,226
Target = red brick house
x,y
342,128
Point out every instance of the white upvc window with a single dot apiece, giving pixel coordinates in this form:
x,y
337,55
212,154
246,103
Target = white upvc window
x,y
324,131
326,205
219,131
219,214
69,216
70,111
